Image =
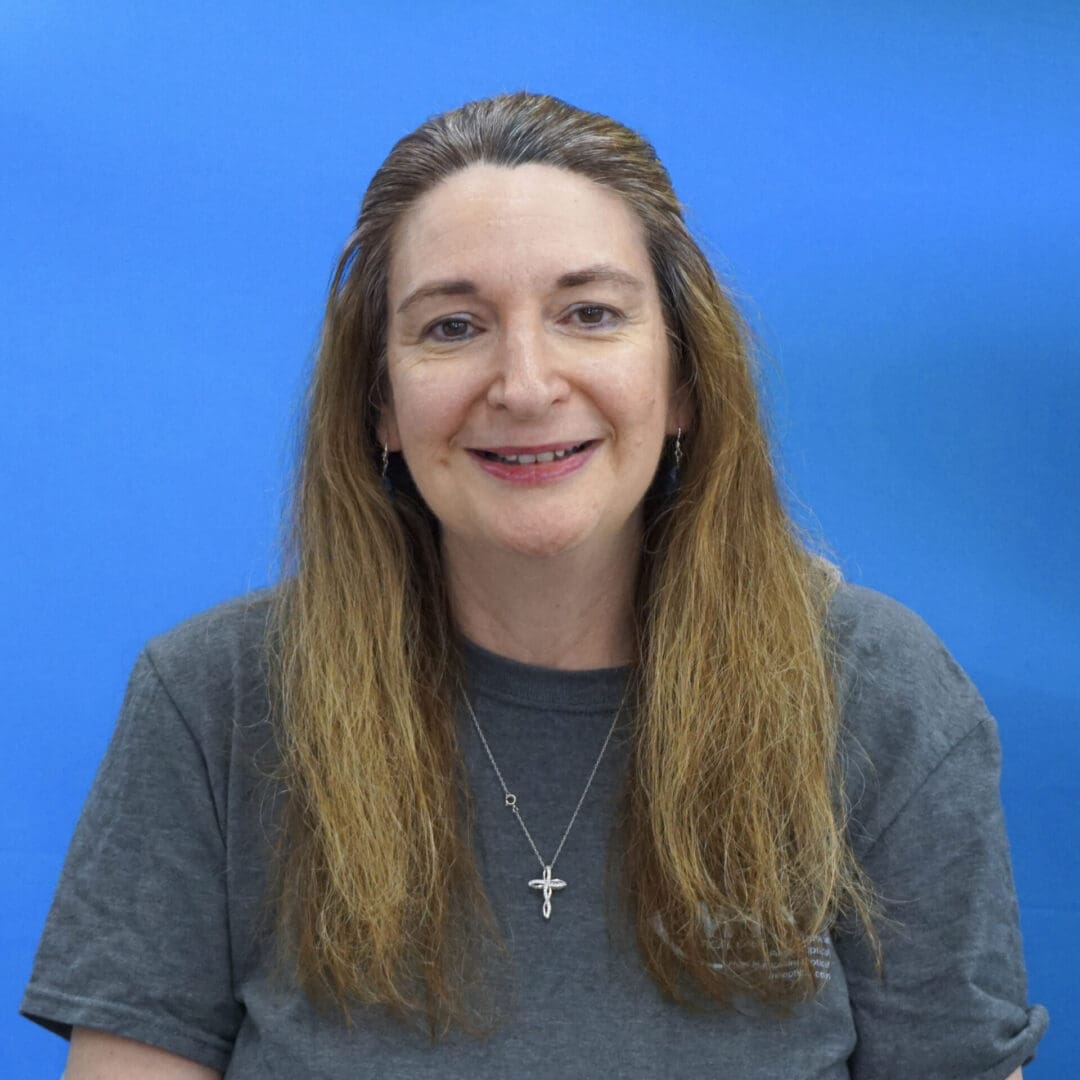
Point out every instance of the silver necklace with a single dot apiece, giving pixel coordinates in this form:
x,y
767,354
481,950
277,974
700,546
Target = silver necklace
x,y
545,884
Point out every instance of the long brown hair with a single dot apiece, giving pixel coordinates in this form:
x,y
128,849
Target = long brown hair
x,y
732,814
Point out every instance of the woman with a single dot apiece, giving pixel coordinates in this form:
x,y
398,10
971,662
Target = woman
x,y
555,753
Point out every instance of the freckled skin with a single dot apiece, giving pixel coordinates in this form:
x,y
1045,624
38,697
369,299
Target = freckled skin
x,y
519,362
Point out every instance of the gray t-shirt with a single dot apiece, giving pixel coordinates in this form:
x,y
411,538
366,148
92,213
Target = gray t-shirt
x,y
154,932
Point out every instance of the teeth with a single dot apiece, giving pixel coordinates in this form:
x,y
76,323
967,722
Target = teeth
x,y
533,459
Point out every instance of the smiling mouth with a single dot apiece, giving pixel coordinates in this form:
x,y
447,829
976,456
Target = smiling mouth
x,y
541,458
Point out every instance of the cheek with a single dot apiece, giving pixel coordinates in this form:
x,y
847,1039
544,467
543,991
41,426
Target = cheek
x,y
639,403
430,410
640,377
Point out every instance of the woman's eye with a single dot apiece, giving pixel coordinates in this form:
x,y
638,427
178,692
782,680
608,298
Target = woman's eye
x,y
453,329
593,315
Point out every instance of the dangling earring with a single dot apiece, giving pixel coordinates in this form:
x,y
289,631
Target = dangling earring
x,y
671,484
388,484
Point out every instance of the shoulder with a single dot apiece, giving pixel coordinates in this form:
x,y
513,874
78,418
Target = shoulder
x,y
870,625
226,632
905,703
887,658
214,664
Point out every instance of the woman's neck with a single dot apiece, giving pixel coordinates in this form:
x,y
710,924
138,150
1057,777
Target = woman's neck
x,y
573,611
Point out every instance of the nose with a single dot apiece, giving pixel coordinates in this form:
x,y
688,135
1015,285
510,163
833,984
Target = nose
x,y
528,377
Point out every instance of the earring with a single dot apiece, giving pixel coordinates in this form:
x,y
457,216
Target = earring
x,y
671,481
388,484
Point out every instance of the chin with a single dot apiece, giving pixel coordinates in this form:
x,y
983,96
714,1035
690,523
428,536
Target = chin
x,y
543,542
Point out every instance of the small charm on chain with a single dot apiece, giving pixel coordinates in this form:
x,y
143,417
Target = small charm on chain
x,y
547,883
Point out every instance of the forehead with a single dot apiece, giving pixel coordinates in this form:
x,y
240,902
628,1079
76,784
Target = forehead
x,y
515,226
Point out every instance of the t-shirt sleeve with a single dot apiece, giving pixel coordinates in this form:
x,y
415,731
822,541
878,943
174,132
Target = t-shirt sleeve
x,y
136,942
953,1001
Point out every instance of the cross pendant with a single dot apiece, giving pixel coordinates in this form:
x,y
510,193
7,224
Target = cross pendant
x,y
547,883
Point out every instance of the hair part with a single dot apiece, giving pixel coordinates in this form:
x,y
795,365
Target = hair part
x,y
732,813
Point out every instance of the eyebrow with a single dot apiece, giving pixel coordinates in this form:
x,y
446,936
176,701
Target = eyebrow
x,y
598,273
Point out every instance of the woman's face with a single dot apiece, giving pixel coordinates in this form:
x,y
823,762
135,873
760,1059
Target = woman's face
x,y
525,323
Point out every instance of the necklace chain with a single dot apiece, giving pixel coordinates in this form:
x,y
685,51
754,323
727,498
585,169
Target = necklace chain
x,y
547,882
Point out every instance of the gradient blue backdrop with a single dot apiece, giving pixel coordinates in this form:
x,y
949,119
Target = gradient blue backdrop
x,y
892,193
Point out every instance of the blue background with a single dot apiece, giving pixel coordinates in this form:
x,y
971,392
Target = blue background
x,y
892,192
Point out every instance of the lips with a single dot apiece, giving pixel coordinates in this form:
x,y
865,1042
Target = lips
x,y
534,465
